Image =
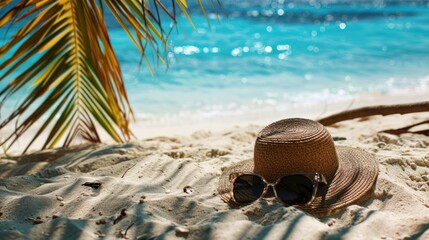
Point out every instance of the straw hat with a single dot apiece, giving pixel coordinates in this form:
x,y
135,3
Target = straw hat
x,y
300,145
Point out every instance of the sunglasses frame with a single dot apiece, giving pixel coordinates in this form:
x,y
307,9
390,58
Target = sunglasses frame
x,y
316,178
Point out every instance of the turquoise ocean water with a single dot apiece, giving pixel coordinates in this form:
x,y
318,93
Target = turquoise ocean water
x,y
280,52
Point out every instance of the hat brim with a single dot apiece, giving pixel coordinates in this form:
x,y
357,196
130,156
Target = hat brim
x,y
352,184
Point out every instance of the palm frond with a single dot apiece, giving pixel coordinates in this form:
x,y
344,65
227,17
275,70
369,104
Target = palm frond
x,y
76,72
142,22
74,78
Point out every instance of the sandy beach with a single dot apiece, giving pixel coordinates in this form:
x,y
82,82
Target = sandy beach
x,y
164,187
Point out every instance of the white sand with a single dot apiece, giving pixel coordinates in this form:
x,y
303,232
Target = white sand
x,y
42,198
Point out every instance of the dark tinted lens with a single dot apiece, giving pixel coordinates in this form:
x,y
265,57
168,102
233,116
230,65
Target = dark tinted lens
x,y
248,188
295,189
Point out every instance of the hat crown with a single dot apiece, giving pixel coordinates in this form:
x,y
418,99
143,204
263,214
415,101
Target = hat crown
x,y
293,146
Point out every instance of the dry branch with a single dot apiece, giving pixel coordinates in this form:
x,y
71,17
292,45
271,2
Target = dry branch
x,y
405,129
375,110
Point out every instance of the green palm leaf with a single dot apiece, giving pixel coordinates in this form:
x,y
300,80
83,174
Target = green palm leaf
x,y
75,82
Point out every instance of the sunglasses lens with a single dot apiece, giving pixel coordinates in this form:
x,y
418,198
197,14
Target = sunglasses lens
x,y
248,188
295,189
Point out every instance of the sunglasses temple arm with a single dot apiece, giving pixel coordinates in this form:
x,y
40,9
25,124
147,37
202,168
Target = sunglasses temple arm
x,y
321,179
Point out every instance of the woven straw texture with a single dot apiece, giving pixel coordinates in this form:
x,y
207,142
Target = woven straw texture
x,y
301,145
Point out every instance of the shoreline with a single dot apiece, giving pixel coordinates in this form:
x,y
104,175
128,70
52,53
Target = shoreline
x,y
187,123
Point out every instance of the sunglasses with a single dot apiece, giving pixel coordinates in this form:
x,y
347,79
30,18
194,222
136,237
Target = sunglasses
x,y
292,189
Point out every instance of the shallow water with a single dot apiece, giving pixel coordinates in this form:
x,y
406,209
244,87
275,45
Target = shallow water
x,y
281,52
